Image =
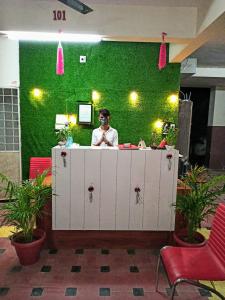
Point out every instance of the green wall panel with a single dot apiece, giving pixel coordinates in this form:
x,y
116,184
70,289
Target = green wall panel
x,y
114,69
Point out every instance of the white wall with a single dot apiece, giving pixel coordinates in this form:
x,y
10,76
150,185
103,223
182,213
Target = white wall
x,y
10,162
9,63
217,107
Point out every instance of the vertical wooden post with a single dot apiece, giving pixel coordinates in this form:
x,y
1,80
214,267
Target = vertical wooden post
x,y
184,126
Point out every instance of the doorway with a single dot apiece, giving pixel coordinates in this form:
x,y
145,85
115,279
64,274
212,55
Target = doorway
x,y
198,139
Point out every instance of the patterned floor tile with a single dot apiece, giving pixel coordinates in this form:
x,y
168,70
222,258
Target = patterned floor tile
x,y
83,273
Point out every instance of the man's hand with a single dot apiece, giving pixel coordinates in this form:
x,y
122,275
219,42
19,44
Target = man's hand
x,y
105,140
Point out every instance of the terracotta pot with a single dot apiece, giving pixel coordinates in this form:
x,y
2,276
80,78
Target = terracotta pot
x,y
29,253
179,238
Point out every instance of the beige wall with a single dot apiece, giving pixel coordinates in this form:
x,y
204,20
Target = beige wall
x,y
9,63
10,166
217,107
9,78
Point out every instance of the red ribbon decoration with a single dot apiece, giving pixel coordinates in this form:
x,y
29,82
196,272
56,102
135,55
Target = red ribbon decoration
x,y
162,53
60,59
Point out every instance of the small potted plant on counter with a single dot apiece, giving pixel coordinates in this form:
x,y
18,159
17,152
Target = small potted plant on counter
x,y
64,135
25,202
171,138
155,139
196,205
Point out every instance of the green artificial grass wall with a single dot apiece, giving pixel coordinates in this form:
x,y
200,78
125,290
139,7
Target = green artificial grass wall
x,y
114,69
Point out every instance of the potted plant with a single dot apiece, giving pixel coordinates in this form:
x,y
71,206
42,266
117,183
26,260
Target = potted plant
x,y
64,134
155,139
197,204
25,203
171,138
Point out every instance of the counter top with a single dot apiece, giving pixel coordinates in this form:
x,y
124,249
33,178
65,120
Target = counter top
x,y
77,146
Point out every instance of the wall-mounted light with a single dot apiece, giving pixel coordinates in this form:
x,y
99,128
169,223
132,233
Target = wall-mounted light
x,y
173,99
72,119
133,98
37,93
36,96
158,124
95,97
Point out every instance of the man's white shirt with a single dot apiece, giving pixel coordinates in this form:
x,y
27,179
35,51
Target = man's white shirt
x,y
111,135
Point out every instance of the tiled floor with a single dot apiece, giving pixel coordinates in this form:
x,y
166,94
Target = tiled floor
x,y
86,274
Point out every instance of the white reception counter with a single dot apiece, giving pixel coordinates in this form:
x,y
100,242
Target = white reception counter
x,y
111,189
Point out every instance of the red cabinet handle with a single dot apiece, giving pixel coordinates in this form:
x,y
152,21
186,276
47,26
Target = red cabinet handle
x,y
90,189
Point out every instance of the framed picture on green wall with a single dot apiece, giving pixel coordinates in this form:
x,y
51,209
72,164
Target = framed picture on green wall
x,y
85,113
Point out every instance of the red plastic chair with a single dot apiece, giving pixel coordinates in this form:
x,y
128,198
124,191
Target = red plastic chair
x,y
193,264
38,165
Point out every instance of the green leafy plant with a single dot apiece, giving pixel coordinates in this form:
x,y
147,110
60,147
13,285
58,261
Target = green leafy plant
x,y
64,133
26,201
200,201
171,136
156,138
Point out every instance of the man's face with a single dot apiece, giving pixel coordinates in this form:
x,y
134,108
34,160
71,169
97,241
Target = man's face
x,y
103,120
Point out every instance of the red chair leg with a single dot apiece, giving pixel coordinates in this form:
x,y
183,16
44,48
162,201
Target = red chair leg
x,y
157,274
195,283
160,261
180,280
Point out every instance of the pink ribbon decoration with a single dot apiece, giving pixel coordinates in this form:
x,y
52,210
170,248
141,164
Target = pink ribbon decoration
x,y
162,53
60,60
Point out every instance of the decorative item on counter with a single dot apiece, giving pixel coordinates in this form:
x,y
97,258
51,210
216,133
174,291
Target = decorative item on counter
x,y
166,126
155,139
65,134
162,53
128,146
171,138
169,157
63,154
69,142
162,144
142,144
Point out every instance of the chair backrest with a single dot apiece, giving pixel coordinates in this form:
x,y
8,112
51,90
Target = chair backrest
x,y
38,165
217,236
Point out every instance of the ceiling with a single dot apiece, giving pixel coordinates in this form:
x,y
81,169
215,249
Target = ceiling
x,y
165,3
194,24
186,3
211,55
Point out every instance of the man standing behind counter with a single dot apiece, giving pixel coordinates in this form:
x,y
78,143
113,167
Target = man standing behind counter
x,y
104,135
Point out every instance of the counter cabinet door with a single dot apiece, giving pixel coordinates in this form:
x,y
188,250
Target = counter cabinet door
x,y
77,190
61,188
137,190
152,190
108,190
168,186
123,189
92,189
